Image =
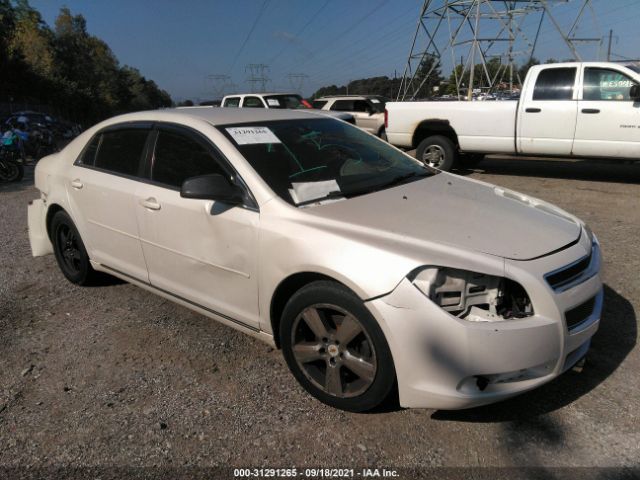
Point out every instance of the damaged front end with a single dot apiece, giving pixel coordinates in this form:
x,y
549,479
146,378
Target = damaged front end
x,y
472,296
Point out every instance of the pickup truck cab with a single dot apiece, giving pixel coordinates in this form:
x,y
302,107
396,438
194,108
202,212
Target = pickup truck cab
x,y
589,109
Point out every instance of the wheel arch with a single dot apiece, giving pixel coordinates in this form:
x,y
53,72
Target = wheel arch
x,y
285,290
427,128
51,211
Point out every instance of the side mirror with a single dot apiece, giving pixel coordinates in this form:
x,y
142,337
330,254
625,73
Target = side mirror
x,y
212,187
634,92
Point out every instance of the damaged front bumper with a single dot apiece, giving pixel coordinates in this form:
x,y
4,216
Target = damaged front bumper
x,y
445,362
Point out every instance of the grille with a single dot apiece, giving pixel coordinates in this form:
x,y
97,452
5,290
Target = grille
x,y
566,275
579,314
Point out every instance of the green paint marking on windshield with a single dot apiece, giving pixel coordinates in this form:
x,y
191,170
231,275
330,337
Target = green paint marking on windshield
x,y
308,170
293,156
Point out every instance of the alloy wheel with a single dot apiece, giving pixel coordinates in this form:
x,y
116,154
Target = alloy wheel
x,y
334,350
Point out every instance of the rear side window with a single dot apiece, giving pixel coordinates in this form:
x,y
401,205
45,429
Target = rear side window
x,y
361,106
232,102
252,102
555,84
319,104
121,150
343,105
88,156
179,156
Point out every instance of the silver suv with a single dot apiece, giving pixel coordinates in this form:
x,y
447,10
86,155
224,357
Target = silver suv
x,y
368,110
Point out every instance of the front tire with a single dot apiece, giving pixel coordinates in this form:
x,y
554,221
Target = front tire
x,y
335,348
438,151
69,250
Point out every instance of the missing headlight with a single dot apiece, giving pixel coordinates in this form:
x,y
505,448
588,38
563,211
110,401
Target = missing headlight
x,y
473,296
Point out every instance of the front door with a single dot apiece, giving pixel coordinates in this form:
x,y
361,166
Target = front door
x,y
199,250
608,119
547,113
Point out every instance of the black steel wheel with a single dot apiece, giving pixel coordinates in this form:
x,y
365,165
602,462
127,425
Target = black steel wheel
x,y
335,348
69,250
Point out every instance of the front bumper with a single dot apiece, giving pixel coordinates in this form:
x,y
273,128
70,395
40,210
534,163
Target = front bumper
x,y
439,358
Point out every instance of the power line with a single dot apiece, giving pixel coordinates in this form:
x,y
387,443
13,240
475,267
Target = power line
x,y
301,31
255,22
345,32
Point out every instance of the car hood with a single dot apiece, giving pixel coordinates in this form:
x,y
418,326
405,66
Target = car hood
x,y
464,213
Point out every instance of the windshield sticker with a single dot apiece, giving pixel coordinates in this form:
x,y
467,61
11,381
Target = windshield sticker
x,y
252,135
304,191
374,100
273,102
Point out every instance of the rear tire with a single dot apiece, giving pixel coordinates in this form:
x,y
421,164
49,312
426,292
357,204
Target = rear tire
x,y
335,348
11,171
438,151
69,250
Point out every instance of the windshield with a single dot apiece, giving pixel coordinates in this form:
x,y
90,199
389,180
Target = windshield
x,y
310,160
285,101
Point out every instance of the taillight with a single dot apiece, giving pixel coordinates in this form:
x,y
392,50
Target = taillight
x,y
386,119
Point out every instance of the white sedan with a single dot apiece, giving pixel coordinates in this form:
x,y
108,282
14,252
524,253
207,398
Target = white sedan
x,y
374,274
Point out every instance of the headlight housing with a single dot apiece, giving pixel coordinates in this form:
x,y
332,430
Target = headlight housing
x,y
473,296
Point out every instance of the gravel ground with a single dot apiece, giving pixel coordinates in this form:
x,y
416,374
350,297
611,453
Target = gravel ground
x,y
113,375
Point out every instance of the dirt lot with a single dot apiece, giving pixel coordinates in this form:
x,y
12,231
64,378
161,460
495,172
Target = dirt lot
x,y
113,375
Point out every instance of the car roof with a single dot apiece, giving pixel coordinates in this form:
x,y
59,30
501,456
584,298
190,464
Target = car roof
x,y
212,115
260,94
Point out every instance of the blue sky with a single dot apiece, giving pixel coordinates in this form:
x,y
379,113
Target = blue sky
x,y
179,43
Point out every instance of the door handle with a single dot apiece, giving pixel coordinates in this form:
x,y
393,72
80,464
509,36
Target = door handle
x,y
533,110
590,110
77,184
150,203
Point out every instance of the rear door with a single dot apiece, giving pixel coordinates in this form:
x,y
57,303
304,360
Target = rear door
x,y
547,113
199,250
101,192
365,116
608,119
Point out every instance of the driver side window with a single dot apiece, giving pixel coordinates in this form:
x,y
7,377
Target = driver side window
x,y
606,84
178,156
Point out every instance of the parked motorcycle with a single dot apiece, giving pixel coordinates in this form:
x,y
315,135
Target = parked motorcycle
x,y
11,157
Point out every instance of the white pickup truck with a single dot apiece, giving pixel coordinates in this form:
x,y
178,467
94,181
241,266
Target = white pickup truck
x,y
589,109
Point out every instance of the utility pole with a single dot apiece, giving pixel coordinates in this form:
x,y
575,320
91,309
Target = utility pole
x,y
296,80
257,76
219,82
609,49
476,30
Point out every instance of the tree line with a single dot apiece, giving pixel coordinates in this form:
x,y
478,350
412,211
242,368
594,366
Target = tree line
x,y
67,68
389,87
